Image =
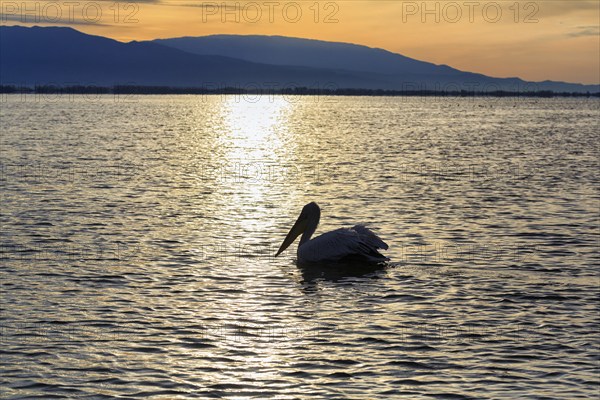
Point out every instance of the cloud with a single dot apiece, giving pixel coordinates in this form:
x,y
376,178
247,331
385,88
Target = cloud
x,y
562,8
213,5
590,30
130,1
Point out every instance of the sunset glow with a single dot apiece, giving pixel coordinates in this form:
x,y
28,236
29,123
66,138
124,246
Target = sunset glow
x,y
533,40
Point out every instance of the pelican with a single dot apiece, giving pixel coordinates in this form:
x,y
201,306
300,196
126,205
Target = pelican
x,y
356,243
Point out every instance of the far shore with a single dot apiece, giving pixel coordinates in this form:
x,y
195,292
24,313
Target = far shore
x,y
298,91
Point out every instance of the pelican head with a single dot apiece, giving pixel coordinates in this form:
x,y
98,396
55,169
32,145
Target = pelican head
x,y
306,223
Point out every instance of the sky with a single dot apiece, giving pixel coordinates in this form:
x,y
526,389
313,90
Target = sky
x,y
533,40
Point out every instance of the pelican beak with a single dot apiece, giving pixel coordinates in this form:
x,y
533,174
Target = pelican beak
x,y
296,230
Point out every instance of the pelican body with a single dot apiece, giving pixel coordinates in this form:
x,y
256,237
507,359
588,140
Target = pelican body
x,y
345,244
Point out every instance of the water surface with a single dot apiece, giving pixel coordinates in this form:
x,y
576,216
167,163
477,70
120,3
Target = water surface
x,y
138,233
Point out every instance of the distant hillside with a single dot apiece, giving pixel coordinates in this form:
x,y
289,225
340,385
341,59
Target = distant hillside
x,y
401,72
280,50
64,56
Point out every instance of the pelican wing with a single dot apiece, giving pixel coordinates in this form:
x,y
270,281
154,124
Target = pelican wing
x,y
356,242
369,237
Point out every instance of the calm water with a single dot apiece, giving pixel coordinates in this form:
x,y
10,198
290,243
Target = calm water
x,y
138,234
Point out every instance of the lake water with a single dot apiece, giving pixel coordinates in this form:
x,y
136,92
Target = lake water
x,y
138,233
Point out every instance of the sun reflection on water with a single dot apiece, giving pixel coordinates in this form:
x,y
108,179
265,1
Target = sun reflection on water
x,y
254,128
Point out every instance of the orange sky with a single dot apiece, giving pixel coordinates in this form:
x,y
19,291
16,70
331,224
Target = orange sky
x,y
534,40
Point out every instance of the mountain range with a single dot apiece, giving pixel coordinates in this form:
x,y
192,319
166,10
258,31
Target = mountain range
x,y
63,56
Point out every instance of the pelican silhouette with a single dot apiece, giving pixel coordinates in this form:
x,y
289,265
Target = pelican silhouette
x,y
345,244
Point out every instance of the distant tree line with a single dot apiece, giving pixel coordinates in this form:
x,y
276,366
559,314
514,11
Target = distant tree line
x,y
303,91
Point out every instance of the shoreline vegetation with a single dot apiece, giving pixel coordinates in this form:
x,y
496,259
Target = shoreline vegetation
x,y
299,91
